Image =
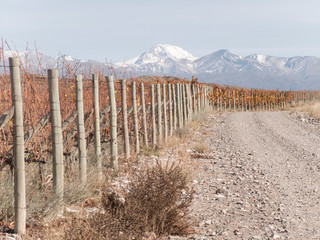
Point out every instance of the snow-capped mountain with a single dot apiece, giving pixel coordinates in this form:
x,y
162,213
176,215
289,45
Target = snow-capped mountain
x,y
224,67
161,59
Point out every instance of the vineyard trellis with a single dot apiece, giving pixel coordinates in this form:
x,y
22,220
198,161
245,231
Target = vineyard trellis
x,y
63,117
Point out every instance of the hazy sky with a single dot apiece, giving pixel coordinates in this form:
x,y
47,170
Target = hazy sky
x,y
122,29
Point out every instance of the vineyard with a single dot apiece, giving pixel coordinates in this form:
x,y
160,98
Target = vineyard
x,y
90,109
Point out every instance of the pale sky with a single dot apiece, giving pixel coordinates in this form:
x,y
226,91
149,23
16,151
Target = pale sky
x,y
122,29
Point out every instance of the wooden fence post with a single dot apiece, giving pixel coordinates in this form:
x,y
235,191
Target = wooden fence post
x,y
97,139
170,109
126,143
181,103
165,111
174,107
242,102
249,101
179,106
18,149
144,117
57,139
184,103
135,116
246,101
153,117
198,99
234,100
205,97
202,98
218,102
229,100
225,100
214,99
194,100
113,124
81,131
159,114
189,101
187,96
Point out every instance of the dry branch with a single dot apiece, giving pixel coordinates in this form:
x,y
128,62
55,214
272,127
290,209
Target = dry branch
x,y
27,137
6,117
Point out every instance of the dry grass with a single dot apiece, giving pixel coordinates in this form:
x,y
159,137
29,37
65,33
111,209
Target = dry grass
x,y
312,108
40,203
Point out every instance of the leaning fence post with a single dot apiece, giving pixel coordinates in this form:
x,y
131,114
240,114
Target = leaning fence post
x,y
81,131
125,118
144,117
159,114
165,112
57,140
18,149
135,116
113,124
97,140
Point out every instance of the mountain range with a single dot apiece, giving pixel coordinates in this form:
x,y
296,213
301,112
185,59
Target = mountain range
x,y
222,67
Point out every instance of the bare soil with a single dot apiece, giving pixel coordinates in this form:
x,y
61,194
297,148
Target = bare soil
x,y
259,177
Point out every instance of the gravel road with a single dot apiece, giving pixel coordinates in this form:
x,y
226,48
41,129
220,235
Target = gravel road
x,y
258,179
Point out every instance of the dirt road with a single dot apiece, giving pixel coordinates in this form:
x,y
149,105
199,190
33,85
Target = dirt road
x,y
259,177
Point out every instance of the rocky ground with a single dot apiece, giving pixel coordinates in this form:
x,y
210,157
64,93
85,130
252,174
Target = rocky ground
x,y
259,177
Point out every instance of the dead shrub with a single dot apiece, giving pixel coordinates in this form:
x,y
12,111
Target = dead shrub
x,y
156,202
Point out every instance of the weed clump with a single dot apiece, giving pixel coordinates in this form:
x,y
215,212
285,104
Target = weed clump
x,y
155,203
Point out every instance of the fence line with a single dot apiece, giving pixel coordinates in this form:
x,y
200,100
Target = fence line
x,y
180,101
